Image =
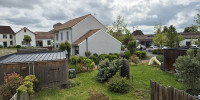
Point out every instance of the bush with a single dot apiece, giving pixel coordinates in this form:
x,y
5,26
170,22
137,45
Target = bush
x,y
119,84
132,46
66,46
81,58
1,46
159,58
107,69
73,83
89,64
11,83
141,54
127,54
18,46
74,60
87,53
95,59
96,55
34,80
95,95
102,56
134,59
122,48
188,67
157,51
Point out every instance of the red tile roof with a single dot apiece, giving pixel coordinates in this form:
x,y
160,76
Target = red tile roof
x,y
43,35
6,30
88,34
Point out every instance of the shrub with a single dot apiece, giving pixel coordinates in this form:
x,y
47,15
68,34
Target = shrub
x,y
159,58
107,69
127,54
87,53
119,84
18,46
73,83
95,95
95,59
96,55
141,54
132,46
134,59
11,83
102,56
74,60
1,46
34,80
122,48
188,67
81,58
157,51
89,63
66,46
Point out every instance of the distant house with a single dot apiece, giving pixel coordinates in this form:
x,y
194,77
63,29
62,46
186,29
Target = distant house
x,y
7,36
85,33
21,34
147,39
44,39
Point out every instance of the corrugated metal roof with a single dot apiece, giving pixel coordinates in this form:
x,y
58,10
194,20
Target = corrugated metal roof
x,y
33,57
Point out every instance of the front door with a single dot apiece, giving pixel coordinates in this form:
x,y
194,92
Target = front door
x,y
5,44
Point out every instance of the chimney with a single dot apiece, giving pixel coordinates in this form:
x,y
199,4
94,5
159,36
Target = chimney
x,y
57,25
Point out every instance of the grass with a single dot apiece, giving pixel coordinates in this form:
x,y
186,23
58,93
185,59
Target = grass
x,y
4,51
141,90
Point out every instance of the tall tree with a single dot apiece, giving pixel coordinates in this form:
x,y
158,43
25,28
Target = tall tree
x,y
160,37
127,37
172,37
197,18
192,28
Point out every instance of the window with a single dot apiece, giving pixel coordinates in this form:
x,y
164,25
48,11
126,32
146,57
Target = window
x,y
4,36
11,42
67,35
10,36
56,45
56,36
49,42
188,43
61,36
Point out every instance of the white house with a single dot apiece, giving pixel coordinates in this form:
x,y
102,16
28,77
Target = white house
x,y
86,33
21,34
7,37
44,39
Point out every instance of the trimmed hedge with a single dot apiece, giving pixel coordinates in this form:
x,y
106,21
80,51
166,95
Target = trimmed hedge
x,y
158,51
141,54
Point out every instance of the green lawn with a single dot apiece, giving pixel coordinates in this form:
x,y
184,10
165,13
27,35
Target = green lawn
x,y
141,90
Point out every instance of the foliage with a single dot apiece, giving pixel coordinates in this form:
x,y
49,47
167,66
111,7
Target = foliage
x,y
127,54
141,54
18,46
188,67
197,18
95,54
127,37
74,60
159,58
87,53
11,83
88,63
95,59
157,51
66,46
198,42
122,48
73,83
34,80
81,58
125,69
27,38
119,84
1,46
107,69
95,95
160,37
110,57
134,59
192,28
132,46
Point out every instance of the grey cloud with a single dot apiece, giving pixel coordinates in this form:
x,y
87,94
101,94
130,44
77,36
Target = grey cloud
x,y
23,20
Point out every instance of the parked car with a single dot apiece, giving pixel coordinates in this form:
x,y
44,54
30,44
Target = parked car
x,y
194,46
164,47
141,46
151,48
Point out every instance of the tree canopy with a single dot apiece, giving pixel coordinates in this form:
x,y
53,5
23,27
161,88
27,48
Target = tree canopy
x,y
160,37
192,28
27,38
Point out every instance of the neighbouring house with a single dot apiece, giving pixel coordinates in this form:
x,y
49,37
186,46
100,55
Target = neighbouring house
x,y
50,68
44,39
85,33
7,36
147,39
21,34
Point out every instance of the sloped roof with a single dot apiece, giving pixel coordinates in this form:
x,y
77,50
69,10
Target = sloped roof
x,y
71,23
144,37
43,35
82,38
6,30
137,32
190,35
26,29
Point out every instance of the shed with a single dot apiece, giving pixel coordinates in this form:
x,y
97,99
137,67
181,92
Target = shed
x,y
170,56
49,67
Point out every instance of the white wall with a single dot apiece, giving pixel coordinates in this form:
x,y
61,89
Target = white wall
x,y
20,36
45,43
89,23
100,43
64,32
7,40
183,42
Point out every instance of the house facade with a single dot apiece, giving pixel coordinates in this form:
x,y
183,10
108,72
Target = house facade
x,y
44,39
21,34
7,36
84,30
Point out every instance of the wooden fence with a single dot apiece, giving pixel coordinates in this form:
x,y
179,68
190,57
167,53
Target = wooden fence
x,y
159,92
23,96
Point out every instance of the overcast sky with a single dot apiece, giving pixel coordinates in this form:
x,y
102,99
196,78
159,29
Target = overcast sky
x,y
40,15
